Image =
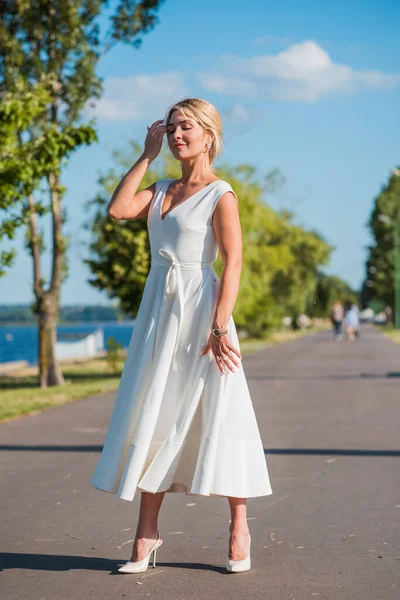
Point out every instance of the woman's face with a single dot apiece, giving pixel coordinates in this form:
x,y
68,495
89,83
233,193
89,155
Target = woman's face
x,y
186,138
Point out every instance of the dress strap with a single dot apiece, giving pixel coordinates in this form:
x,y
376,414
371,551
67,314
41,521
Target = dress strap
x,y
160,186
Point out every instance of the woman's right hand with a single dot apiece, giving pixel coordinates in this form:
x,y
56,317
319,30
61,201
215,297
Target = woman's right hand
x,y
154,138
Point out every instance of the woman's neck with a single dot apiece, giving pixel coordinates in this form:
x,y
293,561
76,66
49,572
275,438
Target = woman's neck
x,y
196,173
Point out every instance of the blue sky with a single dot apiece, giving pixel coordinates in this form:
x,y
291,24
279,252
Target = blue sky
x,y
311,88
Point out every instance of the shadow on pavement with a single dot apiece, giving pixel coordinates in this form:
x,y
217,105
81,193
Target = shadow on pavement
x,y
302,451
51,562
331,451
49,448
328,377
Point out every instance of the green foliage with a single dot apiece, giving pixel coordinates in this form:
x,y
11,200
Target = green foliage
x,y
330,289
26,159
48,56
280,259
55,46
379,281
114,355
64,40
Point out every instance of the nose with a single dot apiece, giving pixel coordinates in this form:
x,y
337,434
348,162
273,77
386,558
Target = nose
x,y
177,136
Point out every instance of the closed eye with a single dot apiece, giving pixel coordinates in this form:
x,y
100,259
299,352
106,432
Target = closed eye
x,y
173,130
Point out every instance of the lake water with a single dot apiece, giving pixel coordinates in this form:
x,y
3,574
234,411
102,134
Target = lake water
x,y
21,343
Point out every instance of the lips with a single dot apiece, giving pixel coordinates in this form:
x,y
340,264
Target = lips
x,y
179,145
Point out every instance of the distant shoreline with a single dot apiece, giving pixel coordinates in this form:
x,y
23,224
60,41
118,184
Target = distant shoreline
x,y
64,323
20,342
20,315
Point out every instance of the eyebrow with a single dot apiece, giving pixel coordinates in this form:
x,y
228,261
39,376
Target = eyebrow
x,y
179,123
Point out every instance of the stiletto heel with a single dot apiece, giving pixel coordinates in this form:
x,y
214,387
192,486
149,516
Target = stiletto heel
x,y
239,566
141,565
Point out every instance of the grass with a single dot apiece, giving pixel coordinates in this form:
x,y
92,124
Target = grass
x,y
19,394
393,334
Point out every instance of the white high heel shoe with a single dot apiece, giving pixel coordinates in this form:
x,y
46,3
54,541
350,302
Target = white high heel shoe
x,y
141,565
239,566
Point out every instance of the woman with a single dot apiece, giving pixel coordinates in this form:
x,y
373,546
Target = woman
x,y
183,418
337,314
352,320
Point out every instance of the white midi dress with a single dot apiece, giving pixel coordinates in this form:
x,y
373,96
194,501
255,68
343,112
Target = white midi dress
x,y
178,424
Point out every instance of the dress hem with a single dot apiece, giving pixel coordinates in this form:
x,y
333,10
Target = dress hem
x,y
181,491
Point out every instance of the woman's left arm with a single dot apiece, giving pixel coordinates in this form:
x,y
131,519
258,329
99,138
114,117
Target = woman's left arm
x,y
228,233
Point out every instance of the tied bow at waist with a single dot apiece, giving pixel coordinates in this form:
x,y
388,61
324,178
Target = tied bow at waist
x,y
174,285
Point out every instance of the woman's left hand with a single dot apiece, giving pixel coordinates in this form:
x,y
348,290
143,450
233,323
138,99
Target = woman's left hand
x,y
225,354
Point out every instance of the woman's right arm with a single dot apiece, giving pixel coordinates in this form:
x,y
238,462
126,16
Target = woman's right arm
x,y
126,201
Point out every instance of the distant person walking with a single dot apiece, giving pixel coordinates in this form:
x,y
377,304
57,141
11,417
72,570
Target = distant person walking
x,y
337,315
352,320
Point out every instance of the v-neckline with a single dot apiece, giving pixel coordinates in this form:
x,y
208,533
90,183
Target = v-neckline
x,y
182,201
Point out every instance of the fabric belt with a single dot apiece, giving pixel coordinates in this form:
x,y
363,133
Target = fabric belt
x,y
174,285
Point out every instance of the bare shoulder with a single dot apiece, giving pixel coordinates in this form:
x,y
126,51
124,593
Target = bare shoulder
x,y
227,202
227,199
226,222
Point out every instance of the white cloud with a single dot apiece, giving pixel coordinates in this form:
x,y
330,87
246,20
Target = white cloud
x,y
303,72
232,84
139,97
238,114
239,119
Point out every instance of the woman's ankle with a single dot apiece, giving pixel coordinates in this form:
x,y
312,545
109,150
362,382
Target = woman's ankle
x,y
239,528
148,532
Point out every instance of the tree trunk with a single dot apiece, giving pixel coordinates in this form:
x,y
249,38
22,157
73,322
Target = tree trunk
x,y
49,370
49,304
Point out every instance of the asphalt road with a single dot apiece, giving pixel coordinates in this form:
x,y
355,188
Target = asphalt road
x,y
329,416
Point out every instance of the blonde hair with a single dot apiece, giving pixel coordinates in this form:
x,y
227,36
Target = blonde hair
x,y
206,115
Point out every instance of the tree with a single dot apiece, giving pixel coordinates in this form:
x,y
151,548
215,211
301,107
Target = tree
x,y
20,171
379,281
23,164
57,44
329,289
293,286
280,259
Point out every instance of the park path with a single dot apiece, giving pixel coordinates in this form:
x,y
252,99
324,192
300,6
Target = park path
x,y
329,416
